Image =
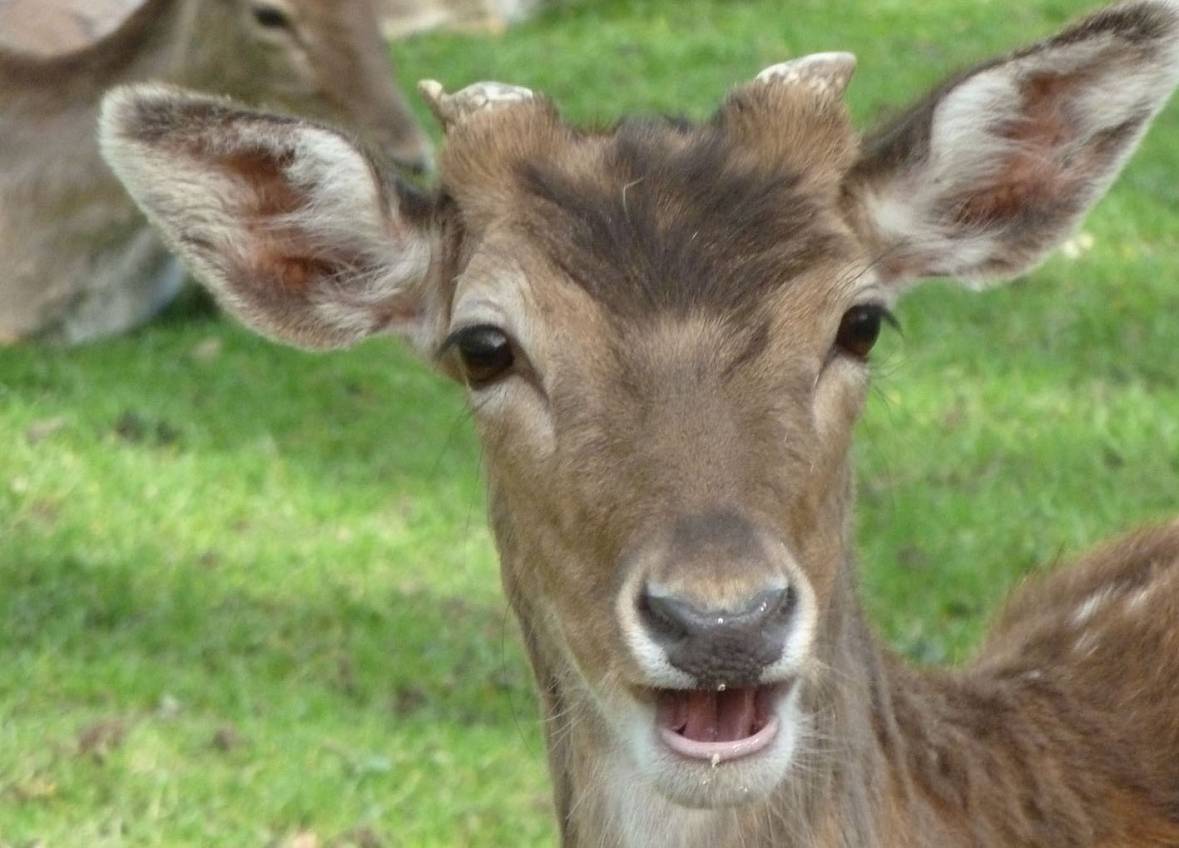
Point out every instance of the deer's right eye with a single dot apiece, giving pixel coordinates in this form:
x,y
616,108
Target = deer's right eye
x,y
485,352
860,328
271,17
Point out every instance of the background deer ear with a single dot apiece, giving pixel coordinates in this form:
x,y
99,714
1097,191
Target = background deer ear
x,y
288,224
994,169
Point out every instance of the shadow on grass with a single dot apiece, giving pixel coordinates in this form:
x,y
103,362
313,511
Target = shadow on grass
x,y
128,634
371,414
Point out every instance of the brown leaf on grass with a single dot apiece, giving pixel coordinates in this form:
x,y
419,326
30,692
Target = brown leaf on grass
x,y
38,431
226,739
45,511
209,560
207,350
913,557
346,675
131,427
408,700
99,740
33,789
360,837
134,428
303,839
169,706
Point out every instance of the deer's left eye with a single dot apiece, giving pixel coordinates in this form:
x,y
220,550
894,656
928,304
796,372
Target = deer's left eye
x,y
485,352
271,17
860,328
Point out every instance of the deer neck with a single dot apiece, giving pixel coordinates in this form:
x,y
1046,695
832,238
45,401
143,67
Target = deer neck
x,y
895,757
838,794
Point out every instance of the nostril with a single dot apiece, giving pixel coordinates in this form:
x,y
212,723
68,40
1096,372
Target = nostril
x,y
670,617
664,616
781,609
416,167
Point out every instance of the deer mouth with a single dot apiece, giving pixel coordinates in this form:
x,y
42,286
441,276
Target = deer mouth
x,y
717,725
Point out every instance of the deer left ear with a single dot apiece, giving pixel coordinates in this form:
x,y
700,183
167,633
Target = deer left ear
x,y
289,224
998,166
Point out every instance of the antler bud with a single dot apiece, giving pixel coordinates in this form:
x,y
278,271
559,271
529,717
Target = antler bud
x,y
827,74
452,109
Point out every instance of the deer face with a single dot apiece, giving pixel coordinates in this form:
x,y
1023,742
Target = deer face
x,y
324,58
664,331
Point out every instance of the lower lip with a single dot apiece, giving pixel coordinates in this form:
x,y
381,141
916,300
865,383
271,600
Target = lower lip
x,y
720,752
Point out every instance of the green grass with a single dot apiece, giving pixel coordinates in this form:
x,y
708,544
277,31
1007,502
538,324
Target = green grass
x,y
247,593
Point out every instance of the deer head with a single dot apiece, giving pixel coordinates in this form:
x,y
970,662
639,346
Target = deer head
x,y
665,333
323,58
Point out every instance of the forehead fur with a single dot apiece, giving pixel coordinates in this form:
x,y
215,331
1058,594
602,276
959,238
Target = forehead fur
x,y
664,215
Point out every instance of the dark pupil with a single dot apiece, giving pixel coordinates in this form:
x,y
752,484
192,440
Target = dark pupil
x,y
270,17
859,330
486,354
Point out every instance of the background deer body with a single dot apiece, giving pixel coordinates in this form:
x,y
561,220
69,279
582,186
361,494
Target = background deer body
x,y
80,261
665,332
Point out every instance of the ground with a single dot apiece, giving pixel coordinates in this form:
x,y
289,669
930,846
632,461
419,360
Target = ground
x,y
247,597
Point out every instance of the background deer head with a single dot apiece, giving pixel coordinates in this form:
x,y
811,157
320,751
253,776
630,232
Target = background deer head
x,y
322,58
82,263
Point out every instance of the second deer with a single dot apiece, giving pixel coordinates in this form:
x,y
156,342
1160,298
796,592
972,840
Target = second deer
x,y
79,261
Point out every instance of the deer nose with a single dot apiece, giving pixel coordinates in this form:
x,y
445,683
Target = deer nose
x,y
417,164
715,646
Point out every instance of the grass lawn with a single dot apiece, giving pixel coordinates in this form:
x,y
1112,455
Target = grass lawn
x,y
247,597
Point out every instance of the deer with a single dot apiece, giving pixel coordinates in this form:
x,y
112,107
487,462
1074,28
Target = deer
x,y
664,329
81,263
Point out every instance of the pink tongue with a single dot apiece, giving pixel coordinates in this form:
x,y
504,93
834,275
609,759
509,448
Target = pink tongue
x,y
704,716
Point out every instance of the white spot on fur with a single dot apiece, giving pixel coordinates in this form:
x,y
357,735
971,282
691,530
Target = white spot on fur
x,y
1138,598
1091,605
1086,645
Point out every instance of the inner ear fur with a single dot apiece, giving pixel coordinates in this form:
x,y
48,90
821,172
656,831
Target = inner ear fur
x,y
982,178
289,224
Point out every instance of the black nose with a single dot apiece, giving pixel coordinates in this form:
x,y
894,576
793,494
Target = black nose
x,y
415,165
720,645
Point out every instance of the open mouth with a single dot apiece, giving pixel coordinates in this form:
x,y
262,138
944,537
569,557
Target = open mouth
x,y
717,725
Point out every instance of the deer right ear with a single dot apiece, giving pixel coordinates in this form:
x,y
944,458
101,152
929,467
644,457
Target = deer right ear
x,y
288,223
983,178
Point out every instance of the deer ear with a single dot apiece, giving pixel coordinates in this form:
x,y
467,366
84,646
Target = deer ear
x,y
288,223
997,167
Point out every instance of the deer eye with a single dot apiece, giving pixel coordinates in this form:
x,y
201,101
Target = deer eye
x,y
485,352
271,17
860,328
